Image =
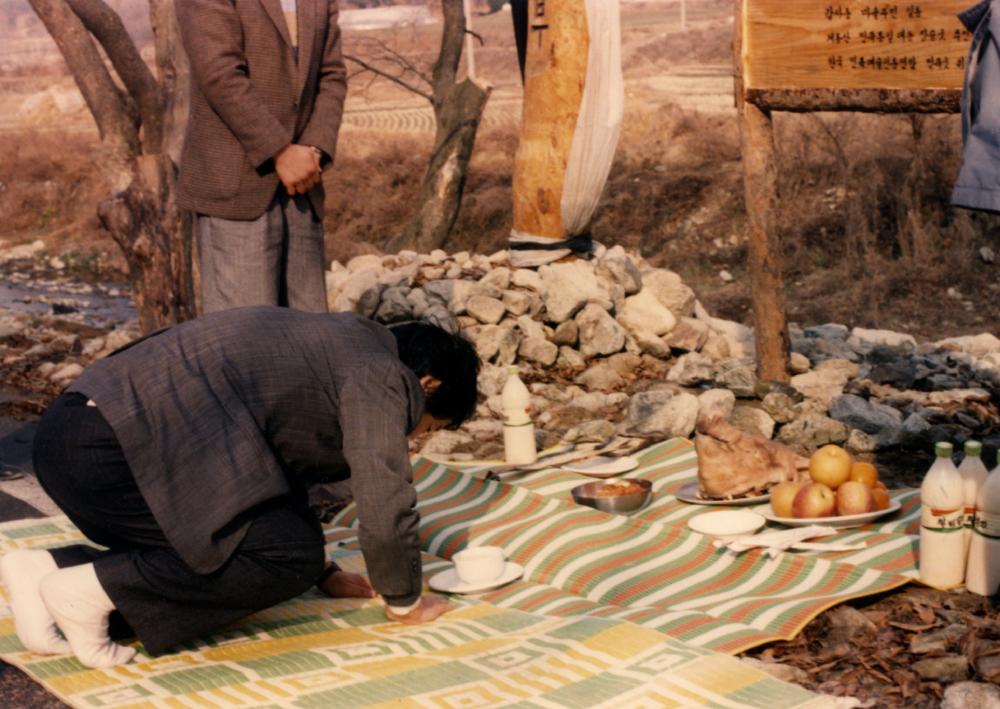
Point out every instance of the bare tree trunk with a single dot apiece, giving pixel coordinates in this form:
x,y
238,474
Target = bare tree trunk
x,y
141,214
458,109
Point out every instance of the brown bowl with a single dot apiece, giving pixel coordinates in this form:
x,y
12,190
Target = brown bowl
x,y
587,494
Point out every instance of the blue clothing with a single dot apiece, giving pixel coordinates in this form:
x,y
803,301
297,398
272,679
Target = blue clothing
x,y
978,184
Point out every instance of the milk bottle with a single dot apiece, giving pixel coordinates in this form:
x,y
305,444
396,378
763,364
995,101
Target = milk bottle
x,y
983,571
942,499
518,431
973,473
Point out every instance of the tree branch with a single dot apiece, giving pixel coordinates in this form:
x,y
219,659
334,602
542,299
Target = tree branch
x,y
108,28
105,101
395,79
452,36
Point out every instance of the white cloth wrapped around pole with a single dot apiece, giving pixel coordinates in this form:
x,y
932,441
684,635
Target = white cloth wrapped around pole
x,y
573,105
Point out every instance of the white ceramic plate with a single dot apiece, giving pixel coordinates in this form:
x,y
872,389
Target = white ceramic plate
x,y
843,522
603,466
726,523
447,581
690,493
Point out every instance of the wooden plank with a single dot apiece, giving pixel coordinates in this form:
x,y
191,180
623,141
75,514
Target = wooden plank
x,y
853,44
760,185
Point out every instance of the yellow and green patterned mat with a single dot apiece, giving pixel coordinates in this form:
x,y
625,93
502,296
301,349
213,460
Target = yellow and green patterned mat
x,y
316,652
613,611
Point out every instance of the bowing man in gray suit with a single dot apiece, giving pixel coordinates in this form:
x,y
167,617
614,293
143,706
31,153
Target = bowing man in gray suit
x,y
188,453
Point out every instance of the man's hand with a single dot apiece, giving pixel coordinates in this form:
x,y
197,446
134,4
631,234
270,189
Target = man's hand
x,y
430,608
297,167
344,584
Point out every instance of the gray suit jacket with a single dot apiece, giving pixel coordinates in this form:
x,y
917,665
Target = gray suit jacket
x,y
224,412
251,96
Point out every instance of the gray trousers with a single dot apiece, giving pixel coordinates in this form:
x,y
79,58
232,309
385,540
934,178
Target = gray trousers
x,y
276,259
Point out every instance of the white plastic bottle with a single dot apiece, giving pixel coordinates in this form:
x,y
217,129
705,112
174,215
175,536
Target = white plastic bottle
x,y
983,571
518,431
942,500
973,472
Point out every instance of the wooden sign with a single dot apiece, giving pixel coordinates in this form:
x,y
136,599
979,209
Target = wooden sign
x,y
853,44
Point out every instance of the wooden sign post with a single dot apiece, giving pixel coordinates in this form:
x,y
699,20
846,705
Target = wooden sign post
x,y
816,55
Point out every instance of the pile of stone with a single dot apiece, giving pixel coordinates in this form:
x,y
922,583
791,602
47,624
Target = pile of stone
x,y
616,346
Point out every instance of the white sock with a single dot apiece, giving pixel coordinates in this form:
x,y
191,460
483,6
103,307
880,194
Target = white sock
x,y
81,607
22,572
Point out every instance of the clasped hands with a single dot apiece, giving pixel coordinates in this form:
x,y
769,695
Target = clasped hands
x,y
344,584
298,167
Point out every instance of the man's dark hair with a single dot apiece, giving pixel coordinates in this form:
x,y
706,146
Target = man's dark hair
x,y
429,349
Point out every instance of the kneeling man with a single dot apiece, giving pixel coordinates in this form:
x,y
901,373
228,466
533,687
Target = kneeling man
x,y
188,454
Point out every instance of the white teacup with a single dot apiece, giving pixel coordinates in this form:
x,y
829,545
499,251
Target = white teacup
x,y
479,564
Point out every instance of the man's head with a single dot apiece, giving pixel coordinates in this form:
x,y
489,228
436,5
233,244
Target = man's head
x,y
447,365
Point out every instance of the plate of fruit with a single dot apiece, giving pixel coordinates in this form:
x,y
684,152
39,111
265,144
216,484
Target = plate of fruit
x,y
840,492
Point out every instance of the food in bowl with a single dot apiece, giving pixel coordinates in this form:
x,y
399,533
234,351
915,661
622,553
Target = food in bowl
x,y
615,489
616,496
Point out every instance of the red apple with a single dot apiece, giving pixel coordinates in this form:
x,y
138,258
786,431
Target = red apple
x,y
830,465
854,498
880,495
814,500
782,496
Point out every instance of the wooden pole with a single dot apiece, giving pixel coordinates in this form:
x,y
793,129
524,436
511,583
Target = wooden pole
x,y
760,186
684,15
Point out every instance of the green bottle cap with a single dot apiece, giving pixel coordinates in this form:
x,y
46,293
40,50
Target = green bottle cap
x,y
943,449
973,448
512,369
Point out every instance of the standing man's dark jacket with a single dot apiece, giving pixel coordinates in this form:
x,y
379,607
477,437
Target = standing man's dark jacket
x,y
224,412
251,96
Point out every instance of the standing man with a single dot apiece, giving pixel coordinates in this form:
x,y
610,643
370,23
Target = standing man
x,y
188,453
267,96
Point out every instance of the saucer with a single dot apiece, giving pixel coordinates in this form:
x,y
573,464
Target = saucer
x,y
447,581
603,466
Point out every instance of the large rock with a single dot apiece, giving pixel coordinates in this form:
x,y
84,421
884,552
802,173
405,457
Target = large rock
x,y
752,420
599,333
601,377
495,341
738,376
971,695
394,306
715,402
570,359
527,278
622,269
826,381
692,369
668,288
455,293
974,345
568,287
531,328
946,668
516,302
644,313
883,422
779,406
688,335
539,350
661,413
365,262
499,277
484,309
811,431
354,289
864,341
566,333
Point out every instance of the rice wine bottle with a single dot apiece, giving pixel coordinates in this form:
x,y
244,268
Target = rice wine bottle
x,y
973,473
983,571
518,431
942,500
